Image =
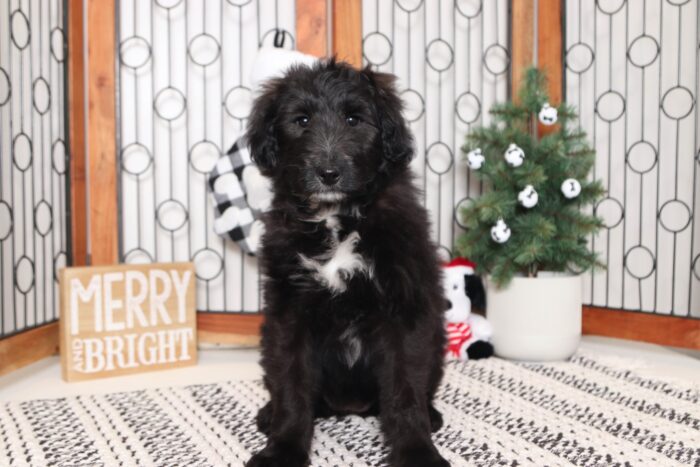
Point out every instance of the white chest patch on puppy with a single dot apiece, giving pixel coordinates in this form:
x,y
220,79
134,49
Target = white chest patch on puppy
x,y
339,264
335,267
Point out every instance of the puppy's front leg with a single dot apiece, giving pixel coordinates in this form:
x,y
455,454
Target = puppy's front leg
x,y
404,415
289,378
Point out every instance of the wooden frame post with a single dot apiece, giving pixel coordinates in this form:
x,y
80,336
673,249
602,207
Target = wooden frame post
x,y
347,31
522,44
550,42
312,27
76,129
103,225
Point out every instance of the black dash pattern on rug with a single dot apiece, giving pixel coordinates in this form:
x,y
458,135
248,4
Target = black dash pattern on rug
x,y
590,410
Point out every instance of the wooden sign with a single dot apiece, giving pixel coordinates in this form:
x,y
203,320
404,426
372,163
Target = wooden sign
x,y
124,319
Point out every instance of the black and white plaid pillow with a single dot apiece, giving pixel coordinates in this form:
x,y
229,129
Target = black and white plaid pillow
x,y
240,194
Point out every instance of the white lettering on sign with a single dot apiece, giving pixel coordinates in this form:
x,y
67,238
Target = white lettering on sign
x,y
93,354
112,305
112,314
93,292
133,299
181,284
125,319
159,297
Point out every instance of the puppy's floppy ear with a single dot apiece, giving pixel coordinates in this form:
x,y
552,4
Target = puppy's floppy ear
x,y
261,133
397,142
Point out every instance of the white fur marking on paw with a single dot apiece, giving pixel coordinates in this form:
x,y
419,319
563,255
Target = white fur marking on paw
x,y
338,265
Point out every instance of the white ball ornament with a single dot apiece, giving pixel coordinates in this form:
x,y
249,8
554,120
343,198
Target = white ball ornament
x,y
528,197
514,155
571,188
548,114
500,233
475,159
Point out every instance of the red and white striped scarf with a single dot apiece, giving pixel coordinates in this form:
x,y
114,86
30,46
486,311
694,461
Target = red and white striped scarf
x,y
457,335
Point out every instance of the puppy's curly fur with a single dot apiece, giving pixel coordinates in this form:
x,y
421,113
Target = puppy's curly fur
x,y
353,301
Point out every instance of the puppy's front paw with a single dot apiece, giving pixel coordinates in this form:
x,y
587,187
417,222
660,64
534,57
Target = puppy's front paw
x,y
275,455
418,457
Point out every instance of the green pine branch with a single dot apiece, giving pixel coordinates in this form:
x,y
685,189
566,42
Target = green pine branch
x,y
553,234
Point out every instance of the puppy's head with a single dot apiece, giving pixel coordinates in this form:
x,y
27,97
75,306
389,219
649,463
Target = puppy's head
x,y
329,132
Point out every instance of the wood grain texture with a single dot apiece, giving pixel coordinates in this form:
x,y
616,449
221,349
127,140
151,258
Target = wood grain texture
x,y
549,52
229,328
639,326
28,347
312,27
76,132
126,319
347,31
213,339
101,132
522,45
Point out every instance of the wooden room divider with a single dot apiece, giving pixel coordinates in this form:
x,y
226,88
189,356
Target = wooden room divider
x,y
521,33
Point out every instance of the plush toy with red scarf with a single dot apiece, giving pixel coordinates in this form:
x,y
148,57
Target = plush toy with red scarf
x,y
468,333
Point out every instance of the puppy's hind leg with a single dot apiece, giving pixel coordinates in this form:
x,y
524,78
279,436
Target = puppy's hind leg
x,y
264,418
435,418
436,373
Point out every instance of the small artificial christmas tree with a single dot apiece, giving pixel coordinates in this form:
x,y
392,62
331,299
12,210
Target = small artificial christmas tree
x,y
530,217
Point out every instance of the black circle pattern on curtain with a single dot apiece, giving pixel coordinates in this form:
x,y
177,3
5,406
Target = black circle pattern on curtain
x,y
34,234
183,99
452,60
631,68
453,63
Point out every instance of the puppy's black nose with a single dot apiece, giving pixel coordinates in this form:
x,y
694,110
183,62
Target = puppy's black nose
x,y
328,176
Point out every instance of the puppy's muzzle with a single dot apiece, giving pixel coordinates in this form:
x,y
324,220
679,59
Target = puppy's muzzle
x,y
329,176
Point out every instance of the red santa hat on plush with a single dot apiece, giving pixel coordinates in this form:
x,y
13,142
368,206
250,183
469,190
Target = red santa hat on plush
x,y
465,266
454,286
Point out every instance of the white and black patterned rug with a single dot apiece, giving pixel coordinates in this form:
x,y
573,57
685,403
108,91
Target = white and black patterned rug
x,y
589,411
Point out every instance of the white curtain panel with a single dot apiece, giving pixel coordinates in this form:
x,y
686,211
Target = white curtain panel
x,y
632,72
184,97
33,217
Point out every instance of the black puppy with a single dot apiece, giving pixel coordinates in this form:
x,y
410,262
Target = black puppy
x,y
353,302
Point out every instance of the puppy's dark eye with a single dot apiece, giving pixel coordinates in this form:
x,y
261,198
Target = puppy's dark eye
x,y
303,121
352,120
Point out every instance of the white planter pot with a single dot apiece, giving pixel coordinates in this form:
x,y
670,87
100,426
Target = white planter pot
x,y
536,319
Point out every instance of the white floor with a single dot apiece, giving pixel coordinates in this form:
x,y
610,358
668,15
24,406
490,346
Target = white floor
x,y
43,379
